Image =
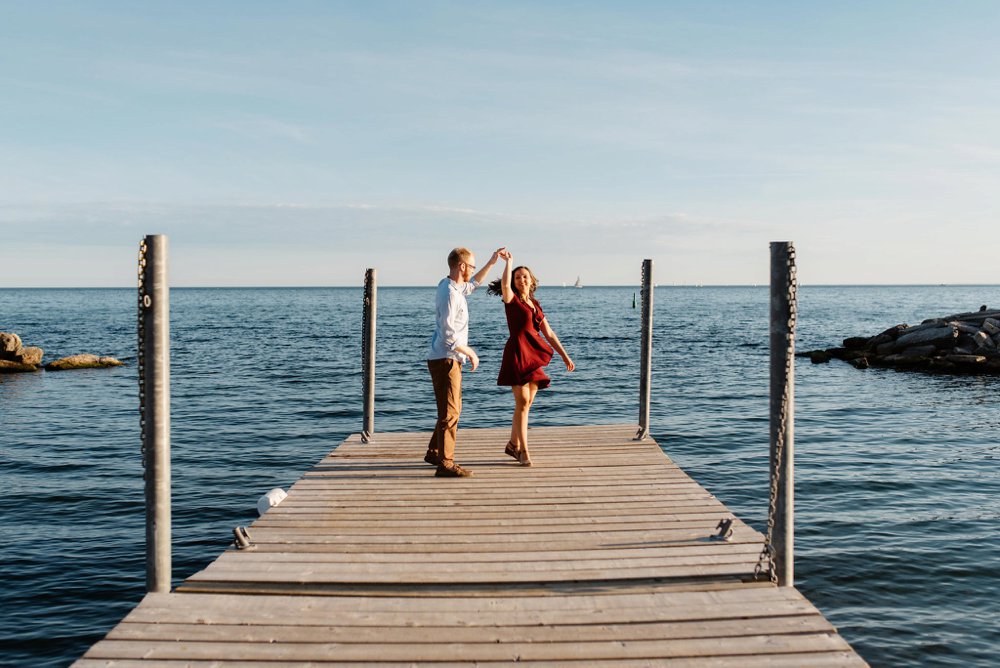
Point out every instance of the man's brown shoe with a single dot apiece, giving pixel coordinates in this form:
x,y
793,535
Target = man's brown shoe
x,y
453,471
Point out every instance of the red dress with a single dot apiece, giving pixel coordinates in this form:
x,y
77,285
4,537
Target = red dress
x,y
526,351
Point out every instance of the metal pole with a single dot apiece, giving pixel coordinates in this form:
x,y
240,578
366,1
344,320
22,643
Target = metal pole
x,y
368,354
646,352
154,370
782,408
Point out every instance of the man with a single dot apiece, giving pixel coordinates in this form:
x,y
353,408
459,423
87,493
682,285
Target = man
x,y
449,351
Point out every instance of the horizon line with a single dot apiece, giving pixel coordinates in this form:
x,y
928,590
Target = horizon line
x,y
549,286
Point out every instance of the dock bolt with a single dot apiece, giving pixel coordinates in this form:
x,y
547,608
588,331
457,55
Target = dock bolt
x,y
725,527
242,538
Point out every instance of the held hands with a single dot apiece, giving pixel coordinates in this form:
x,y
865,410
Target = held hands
x,y
484,271
505,255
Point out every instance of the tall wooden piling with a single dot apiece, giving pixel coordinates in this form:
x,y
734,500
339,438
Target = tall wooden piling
x,y
646,349
368,354
781,511
154,402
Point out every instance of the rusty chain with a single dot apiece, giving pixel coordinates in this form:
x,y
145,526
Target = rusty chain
x,y
143,303
365,370
767,554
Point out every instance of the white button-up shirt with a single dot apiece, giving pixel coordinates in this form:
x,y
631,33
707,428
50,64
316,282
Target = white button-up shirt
x,y
451,327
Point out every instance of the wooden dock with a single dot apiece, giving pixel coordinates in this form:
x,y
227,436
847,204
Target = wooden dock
x,y
601,554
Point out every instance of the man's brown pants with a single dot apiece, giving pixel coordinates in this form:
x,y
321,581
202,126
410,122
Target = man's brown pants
x,y
446,374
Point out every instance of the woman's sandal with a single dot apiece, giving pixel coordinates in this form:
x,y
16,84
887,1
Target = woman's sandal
x,y
523,458
512,450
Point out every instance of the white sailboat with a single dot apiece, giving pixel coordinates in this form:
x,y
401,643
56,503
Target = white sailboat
x,y
578,284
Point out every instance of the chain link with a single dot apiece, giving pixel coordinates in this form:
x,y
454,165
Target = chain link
x,y
767,554
143,304
365,370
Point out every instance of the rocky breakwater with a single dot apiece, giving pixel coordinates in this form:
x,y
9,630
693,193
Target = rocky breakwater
x,y
959,343
16,358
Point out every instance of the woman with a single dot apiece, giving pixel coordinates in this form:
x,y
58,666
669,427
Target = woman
x,y
526,352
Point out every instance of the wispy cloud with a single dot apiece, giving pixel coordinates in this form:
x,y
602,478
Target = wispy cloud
x,y
75,91
982,154
264,128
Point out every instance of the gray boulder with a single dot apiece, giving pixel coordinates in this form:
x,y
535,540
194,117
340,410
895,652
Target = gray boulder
x,y
936,335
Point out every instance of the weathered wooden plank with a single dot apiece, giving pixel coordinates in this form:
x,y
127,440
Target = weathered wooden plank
x,y
431,632
342,499
423,482
501,475
577,650
357,548
328,500
455,552
712,549
419,564
308,620
565,510
451,589
219,608
506,525
611,538
379,574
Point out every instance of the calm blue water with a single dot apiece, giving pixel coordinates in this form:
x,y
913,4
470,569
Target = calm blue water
x,y
897,474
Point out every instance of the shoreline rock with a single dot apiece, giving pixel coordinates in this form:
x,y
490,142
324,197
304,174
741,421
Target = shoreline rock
x,y
959,343
83,361
15,357
31,356
9,366
9,343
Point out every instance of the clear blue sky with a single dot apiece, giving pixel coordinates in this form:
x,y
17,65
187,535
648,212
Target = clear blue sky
x,y
298,143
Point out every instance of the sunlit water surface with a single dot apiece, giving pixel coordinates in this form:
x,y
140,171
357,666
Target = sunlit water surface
x,y
897,481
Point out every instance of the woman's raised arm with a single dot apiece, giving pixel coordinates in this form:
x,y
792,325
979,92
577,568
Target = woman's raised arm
x,y
507,292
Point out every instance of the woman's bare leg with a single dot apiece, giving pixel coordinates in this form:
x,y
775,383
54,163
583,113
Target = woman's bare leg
x,y
518,416
524,396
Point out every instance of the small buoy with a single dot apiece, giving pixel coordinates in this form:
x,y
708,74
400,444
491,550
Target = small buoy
x,y
269,500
